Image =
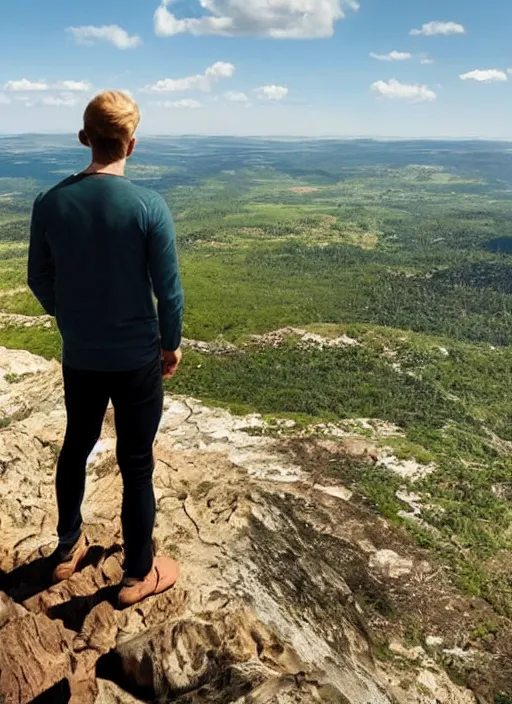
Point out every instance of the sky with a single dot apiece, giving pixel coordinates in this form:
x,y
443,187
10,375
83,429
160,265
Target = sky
x,y
347,68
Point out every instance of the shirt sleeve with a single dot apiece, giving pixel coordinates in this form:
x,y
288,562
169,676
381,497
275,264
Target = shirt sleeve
x,y
41,269
165,274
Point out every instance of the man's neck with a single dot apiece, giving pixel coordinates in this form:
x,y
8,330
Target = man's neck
x,y
116,168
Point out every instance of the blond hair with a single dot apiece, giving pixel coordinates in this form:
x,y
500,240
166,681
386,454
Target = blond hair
x,y
110,121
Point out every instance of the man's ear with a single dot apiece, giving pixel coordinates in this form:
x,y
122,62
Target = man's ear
x,y
83,139
131,147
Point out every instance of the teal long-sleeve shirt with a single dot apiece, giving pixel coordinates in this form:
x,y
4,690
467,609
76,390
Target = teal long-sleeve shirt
x,y
100,247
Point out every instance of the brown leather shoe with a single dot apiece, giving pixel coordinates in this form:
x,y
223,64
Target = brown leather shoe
x,y
163,576
70,560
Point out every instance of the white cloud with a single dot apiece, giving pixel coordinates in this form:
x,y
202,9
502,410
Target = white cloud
x,y
74,86
4,99
24,85
233,96
201,81
186,104
26,92
272,92
64,101
392,56
67,100
394,90
490,76
426,60
278,19
28,101
108,33
431,29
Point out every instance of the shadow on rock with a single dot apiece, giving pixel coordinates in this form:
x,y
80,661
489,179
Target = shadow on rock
x,y
110,667
74,612
29,579
58,694
35,577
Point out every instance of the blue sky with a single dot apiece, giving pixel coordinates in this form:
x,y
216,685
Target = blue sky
x,y
268,67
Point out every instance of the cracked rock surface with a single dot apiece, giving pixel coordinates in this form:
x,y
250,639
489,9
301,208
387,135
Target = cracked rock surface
x,y
274,558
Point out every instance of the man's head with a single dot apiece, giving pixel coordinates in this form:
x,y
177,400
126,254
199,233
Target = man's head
x,y
110,121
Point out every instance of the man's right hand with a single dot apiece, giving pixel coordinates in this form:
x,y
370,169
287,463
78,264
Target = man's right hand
x,y
170,362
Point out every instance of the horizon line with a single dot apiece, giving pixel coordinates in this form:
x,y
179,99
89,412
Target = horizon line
x,y
340,137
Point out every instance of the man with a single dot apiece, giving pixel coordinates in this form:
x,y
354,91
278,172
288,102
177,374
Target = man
x,y
99,247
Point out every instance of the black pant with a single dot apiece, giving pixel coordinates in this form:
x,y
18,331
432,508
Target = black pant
x,y
137,398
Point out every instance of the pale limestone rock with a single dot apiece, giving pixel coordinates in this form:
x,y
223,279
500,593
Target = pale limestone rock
x,y
18,364
434,641
391,564
8,320
305,339
338,492
110,693
416,653
407,469
441,688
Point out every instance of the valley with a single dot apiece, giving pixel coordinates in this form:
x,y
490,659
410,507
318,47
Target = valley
x,y
357,297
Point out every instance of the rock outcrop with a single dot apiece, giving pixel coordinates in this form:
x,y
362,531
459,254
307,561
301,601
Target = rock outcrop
x,y
292,589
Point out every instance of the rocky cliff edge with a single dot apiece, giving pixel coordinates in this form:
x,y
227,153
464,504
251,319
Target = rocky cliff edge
x,y
293,589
